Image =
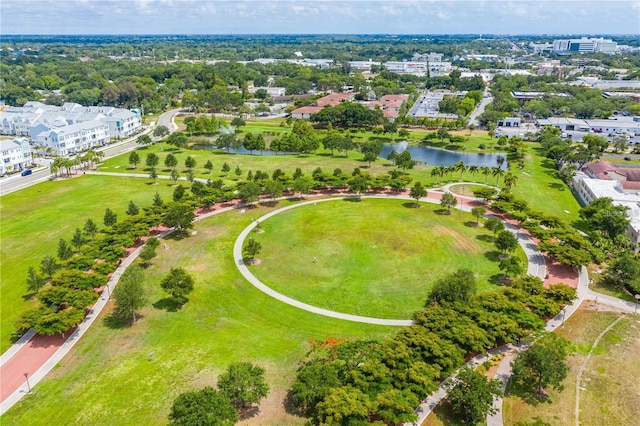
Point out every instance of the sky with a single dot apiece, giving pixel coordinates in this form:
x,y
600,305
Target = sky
x,y
319,17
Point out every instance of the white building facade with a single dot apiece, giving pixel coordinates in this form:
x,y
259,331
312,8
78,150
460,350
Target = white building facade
x,y
589,190
84,126
70,140
15,154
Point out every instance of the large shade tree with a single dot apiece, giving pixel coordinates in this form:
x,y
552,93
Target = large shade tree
x,y
178,283
206,406
243,383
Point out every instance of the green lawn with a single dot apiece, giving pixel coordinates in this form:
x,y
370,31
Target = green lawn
x,y
35,218
375,257
112,378
538,185
109,377
610,386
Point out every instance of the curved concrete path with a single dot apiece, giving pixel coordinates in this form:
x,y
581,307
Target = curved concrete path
x,y
237,256
535,264
11,355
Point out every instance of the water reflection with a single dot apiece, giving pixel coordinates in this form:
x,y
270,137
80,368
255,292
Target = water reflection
x,y
442,157
432,156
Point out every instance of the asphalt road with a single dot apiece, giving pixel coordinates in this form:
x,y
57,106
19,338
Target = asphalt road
x,y
486,100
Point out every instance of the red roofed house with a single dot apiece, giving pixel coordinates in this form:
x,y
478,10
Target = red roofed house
x,y
305,112
334,99
601,169
390,114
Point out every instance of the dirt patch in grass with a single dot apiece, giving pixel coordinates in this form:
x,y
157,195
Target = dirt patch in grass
x,y
271,411
460,242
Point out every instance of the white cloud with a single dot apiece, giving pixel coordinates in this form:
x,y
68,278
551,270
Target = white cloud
x,y
319,16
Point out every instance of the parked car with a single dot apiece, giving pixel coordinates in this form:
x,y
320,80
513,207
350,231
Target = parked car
x,y
627,158
26,172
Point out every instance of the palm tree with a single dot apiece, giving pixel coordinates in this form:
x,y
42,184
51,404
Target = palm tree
x,y
473,170
450,170
460,167
442,171
510,180
435,172
485,170
497,172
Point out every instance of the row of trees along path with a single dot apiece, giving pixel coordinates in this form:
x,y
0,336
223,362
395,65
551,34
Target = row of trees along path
x,y
33,356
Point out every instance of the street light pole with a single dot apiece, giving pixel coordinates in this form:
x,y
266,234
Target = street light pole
x,y
26,376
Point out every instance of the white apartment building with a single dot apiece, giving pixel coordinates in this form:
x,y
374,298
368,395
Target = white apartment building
x,y
69,140
34,118
15,154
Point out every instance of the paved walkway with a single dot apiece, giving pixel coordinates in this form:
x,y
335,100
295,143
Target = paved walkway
x,y
504,369
535,264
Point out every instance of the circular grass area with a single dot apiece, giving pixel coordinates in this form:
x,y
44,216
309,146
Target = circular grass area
x,y
466,189
375,257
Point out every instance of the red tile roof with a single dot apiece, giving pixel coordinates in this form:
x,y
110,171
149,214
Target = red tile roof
x,y
307,110
394,98
392,104
630,185
335,98
632,174
600,166
389,113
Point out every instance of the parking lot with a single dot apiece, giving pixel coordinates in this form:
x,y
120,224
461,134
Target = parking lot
x,y
427,106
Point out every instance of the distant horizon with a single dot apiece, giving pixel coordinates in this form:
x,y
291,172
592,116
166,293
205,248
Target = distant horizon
x,y
319,17
322,34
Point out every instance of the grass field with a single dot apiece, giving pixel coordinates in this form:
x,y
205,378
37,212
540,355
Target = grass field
x,y
35,218
538,185
226,319
375,257
610,385
111,378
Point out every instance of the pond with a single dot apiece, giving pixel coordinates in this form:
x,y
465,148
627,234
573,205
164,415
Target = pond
x,y
242,150
432,156
442,157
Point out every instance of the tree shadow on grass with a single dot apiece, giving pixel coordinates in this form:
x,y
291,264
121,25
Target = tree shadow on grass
x,y
410,205
493,255
115,323
291,408
177,235
445,414
498,279
484,237
248,412
442,212
352,199
471,224
167,304
527,395
28,296
558,186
